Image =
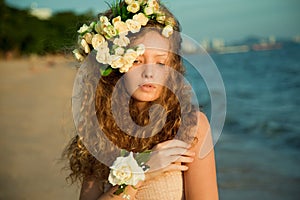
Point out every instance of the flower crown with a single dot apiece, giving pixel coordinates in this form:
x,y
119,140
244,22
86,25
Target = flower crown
x,y
108,36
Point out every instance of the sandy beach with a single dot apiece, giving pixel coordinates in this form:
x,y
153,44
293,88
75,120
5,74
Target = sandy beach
x,y
36,124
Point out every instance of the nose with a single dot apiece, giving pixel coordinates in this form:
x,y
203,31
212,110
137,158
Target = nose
x,y
148,71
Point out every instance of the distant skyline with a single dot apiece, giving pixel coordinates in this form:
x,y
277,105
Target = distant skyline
x,y
231,20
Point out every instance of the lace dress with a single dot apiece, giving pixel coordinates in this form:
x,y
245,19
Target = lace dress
x,y
165,187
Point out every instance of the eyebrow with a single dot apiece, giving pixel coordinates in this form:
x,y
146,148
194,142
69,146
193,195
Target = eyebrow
x,y
162,55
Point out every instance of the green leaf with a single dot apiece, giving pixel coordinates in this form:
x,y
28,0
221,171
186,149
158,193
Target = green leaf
x,y
105,72
120,189
143,157
123,152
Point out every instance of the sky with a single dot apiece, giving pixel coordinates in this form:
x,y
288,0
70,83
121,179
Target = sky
x,y
231,20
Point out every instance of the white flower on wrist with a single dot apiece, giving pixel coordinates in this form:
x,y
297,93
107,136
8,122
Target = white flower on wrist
x,y
125,170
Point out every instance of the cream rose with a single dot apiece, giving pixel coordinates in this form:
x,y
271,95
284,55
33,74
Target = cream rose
x,y
84,28
130,56
134,7
140,50
110,31
78,55
116,61
128,1
97,40
148,10
104,20
160,18
153,4
103,55
116,19
119,51
88,37
125,170
141,18
167,31
122,41
121,27
85,46
133,26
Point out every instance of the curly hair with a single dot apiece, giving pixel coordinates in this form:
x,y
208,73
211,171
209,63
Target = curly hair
x,y
175,99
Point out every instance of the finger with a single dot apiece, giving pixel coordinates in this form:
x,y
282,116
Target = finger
x,y
184,159
175,167
175,151
171,144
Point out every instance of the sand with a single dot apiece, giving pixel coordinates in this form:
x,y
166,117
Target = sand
x,y
36,124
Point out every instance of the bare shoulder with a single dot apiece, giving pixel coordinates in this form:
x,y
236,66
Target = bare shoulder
x,y
202,133
203,124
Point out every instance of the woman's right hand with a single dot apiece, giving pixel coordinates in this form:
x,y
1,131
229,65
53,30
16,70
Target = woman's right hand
x,y
169,156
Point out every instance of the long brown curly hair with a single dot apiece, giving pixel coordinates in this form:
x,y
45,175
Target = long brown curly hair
x,y
175,99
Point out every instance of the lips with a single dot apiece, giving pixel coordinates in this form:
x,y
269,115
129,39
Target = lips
x,y
147,87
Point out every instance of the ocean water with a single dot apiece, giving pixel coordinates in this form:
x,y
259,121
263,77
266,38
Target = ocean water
x,y
262,91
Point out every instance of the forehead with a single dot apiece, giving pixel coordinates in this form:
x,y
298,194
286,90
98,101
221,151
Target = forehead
x,y
153,40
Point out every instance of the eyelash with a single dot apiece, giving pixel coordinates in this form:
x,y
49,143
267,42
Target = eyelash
x,y
136,62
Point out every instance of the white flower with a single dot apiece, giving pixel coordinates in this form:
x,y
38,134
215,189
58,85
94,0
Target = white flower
x,y
141,18
148,10
116,61
125,68
130,56
110,31
153,4
167,31
121,27
104,20
119,51
116,19
134,7
85,46
88,37
103,55
160,18
133,26
97,40
140,50
84,28
125,170
122,41
78,55
128,1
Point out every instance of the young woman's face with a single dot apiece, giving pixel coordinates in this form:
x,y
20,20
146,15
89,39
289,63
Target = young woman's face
x,y
145,80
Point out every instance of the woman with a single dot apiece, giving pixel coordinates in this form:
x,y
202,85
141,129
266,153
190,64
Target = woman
x,y
137,45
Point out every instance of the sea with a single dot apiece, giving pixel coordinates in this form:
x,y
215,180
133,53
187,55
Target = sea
x,y
262,93
257,150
